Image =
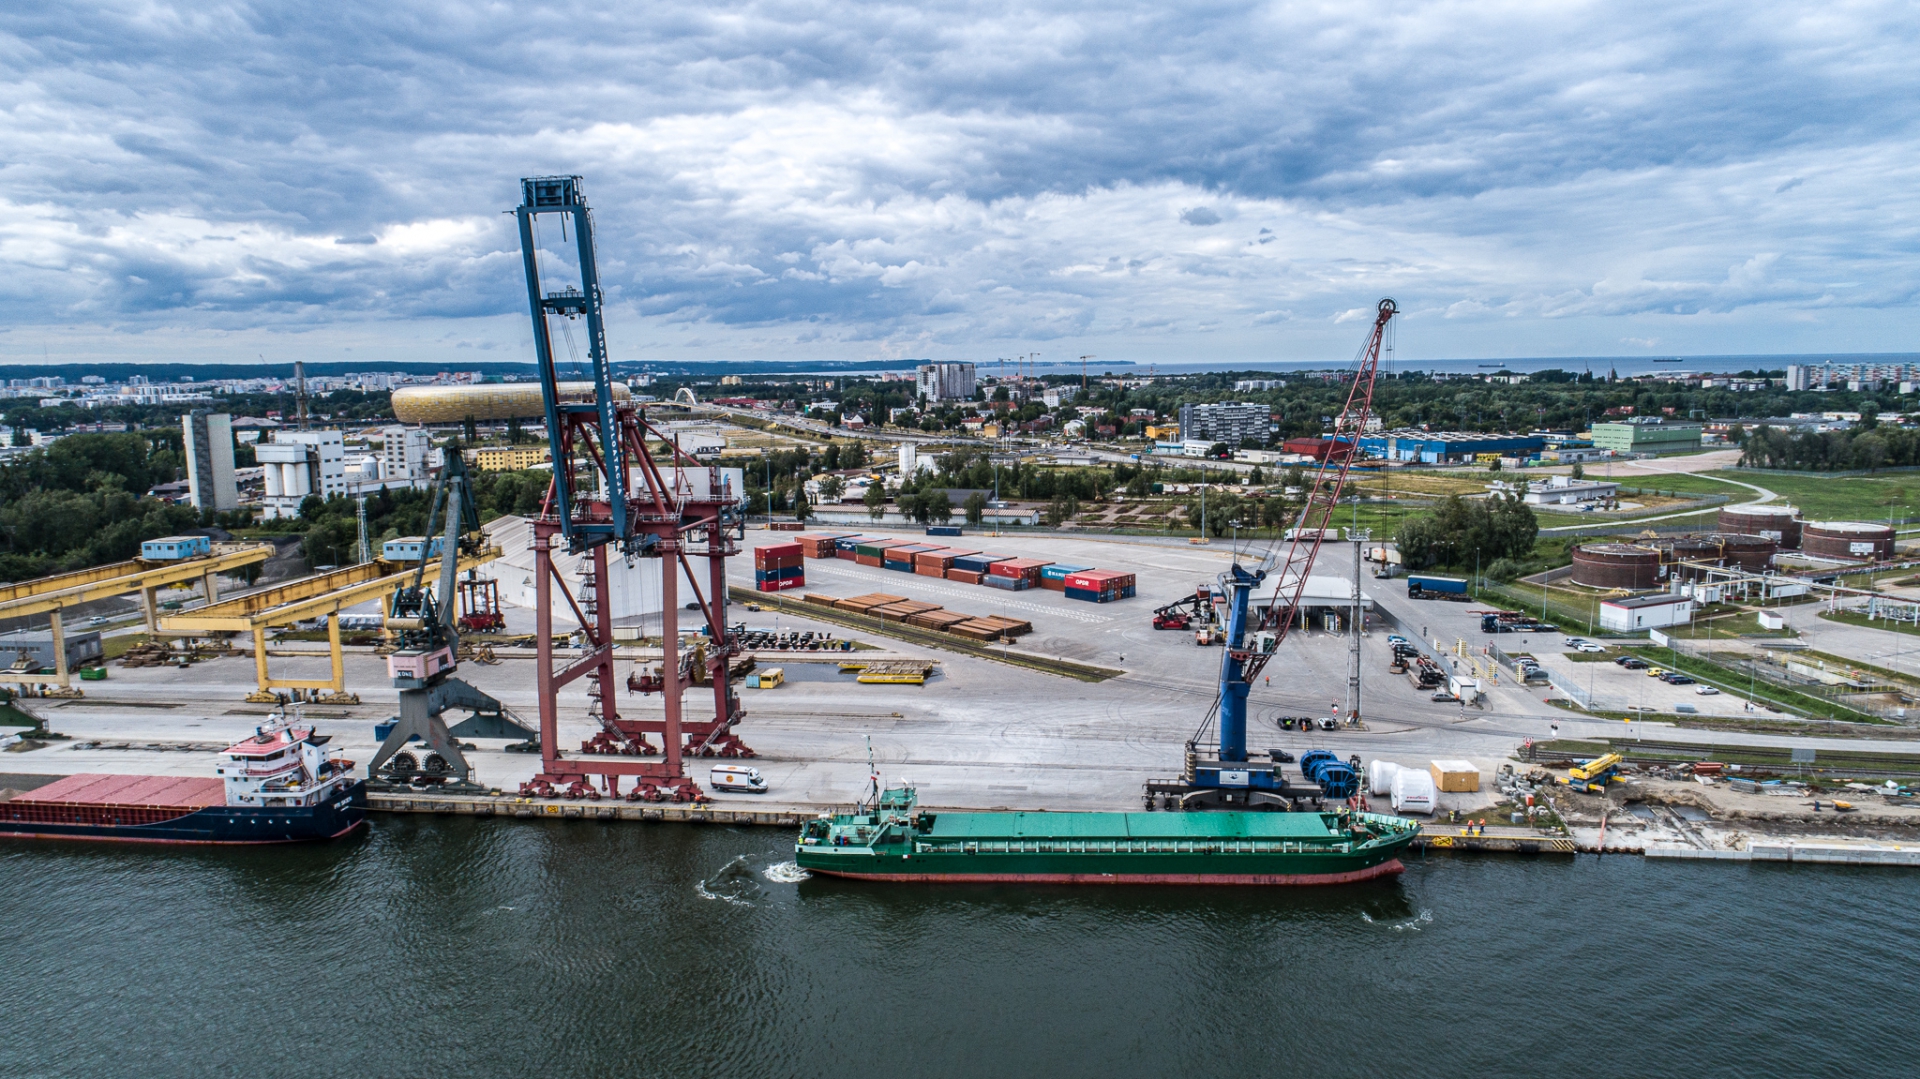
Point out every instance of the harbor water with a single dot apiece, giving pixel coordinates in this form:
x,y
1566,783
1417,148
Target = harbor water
x,y
441,946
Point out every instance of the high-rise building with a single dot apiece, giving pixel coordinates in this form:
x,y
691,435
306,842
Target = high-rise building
x,y
405,453
944,382
301,463
209,444
1230,422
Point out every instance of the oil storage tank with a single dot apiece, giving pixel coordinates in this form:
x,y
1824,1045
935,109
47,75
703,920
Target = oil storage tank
x,y
1618,565
1860,541
1780,524
504,401
1753,554
1748,552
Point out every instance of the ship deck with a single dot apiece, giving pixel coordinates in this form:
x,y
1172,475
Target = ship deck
x,y
178,793
1123,826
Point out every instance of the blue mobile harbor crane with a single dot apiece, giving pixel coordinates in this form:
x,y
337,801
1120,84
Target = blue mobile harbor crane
x,y
1229,779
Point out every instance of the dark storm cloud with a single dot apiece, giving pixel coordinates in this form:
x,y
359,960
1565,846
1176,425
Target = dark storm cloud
x,y
954,171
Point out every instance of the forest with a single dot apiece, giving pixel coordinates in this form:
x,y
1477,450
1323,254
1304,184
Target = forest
x,y
1864,448
81,501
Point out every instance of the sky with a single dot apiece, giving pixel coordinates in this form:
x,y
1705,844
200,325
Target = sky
x,y
1159,182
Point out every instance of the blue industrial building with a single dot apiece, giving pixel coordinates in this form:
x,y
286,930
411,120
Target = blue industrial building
x,y
1447,447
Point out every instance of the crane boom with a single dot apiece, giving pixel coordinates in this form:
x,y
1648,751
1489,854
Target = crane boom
x,y
1329,482
1229,779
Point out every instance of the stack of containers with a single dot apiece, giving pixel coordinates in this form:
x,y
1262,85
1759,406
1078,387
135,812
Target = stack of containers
x,y
900,559
1013,574
873,552
844,547
778,566
819,546
1098,585
969,568
936,563
1055,576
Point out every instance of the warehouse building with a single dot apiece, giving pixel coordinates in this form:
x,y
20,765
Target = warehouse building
x,y
1645,612
1647,434
1448,447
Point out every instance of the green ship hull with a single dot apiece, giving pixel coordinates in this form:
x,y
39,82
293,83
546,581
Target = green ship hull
x,y
893,841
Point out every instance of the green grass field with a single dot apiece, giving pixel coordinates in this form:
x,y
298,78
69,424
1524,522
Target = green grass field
x,y
1819,497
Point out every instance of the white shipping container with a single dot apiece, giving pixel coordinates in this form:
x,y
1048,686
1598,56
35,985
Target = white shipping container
x,y
1380,777
1413,792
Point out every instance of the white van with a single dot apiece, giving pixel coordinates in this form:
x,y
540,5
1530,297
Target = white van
x,y
736,777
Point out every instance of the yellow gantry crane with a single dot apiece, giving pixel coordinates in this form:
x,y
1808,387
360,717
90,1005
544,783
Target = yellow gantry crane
x,y
51,595
298,600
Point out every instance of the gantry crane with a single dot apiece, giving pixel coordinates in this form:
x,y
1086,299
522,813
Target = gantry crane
x,y
1228,778
610,497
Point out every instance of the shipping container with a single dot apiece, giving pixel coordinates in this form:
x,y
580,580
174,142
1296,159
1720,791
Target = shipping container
x,y
789,573
877,547
1058,571
1027,569
1099,580
978,563
965,576
1011,584
943,530
780,586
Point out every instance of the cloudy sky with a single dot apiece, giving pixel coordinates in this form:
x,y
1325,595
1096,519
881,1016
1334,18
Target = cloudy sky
x,y
1180,180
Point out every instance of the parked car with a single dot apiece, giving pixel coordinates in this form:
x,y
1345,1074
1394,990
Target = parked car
x,y
1673,678
1570,642
1634,663
1589,646
1706,691
1655,672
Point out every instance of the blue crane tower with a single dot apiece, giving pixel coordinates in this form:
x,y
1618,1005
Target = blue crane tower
x,y
1230,779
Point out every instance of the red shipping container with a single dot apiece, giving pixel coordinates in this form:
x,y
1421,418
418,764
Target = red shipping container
x,y
1018,567
1053,585
868,560
965,576
846,553
1098,580
930,571
778,550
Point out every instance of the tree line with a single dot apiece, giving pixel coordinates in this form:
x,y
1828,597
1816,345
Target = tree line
x,y
1863,448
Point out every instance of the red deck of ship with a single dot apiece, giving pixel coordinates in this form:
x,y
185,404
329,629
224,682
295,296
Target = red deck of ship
x,y
177,793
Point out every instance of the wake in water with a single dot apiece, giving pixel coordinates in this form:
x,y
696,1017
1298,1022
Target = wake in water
x,y
786,873
734,883
1412,924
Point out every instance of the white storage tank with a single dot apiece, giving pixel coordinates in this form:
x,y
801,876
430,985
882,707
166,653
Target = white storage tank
x,y
1380,777
1413,792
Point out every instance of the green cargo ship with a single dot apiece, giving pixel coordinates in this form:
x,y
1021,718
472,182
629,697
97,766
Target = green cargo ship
x,y
891,839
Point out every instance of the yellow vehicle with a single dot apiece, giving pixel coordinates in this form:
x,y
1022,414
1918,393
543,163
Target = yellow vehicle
x,y
1655,672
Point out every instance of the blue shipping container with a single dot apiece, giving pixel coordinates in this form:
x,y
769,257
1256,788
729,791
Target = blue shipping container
x,y
977,563
1058,572
791,573
847,544
944,530
1011,584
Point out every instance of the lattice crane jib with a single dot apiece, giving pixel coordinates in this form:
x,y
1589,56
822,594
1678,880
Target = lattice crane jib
x,y
610,497
1250,643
